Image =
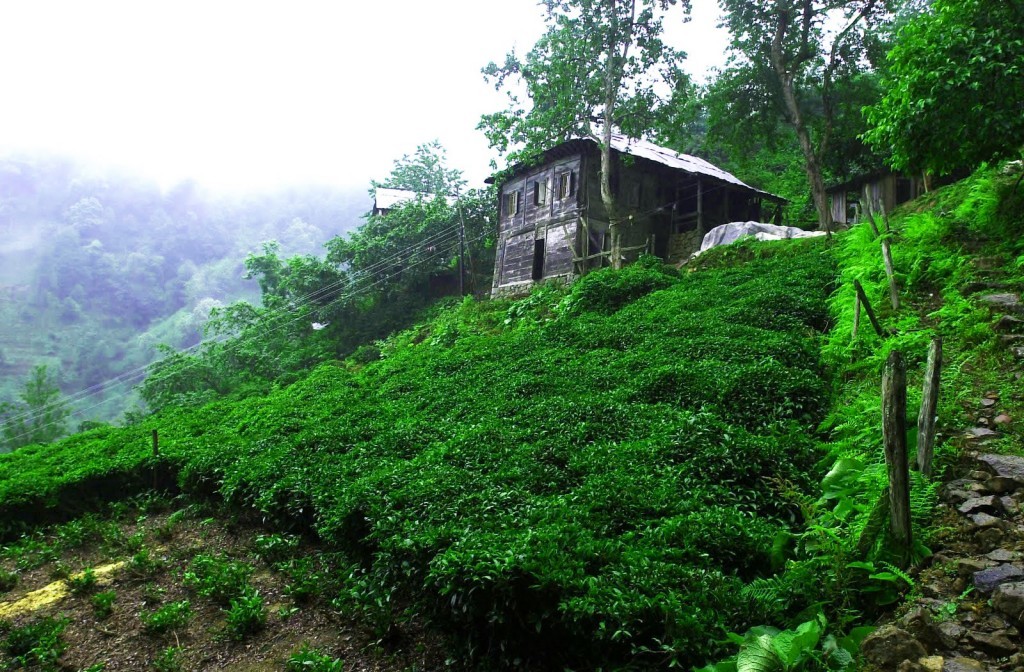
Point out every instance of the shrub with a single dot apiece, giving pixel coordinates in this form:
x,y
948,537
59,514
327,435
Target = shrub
x,y
8,580
82,583
171,616
37,643
245,615
103,604
308,659
168,660
218,577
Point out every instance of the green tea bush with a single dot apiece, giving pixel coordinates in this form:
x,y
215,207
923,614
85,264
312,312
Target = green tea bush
x,y
38,643
245,615
103,604
8,580
218,577
171,616
585,477
307,659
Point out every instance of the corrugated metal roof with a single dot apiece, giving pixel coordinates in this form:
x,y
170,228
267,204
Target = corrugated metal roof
x,y
385,199
691,164
643,149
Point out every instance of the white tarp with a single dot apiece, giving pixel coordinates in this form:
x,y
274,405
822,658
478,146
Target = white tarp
x,y
729,233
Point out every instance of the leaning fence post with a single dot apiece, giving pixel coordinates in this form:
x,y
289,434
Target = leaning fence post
x,y
894,438
856,314
867,307
929,403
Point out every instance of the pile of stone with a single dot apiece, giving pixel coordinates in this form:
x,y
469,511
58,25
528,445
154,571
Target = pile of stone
x,y
971,612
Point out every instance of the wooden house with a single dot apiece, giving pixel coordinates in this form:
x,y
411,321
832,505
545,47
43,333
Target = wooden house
x,y
884,188
553,224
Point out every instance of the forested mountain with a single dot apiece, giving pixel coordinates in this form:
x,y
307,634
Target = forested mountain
x,y
97,269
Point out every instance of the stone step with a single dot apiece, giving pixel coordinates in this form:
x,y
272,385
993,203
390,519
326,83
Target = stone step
x,y
1006,302
1007,324
982,286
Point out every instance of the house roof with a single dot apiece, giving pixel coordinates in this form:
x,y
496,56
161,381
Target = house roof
x,y
385,199
643,149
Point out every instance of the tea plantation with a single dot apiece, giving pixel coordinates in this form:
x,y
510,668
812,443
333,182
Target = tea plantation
x,y
584,477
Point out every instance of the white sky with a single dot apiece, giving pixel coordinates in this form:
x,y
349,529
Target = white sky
x,y
256,94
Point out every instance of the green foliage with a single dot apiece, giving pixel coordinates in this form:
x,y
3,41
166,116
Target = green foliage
x,y
40,418
8,580
171,616
303,579
245,615
274,548
594,483
83,582
218,577
606,291
168,660
954,88
103,603
36,644
308,659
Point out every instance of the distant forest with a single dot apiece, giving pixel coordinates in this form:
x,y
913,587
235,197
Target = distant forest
x,y
97,270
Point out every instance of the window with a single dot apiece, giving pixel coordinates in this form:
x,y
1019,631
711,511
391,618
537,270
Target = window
x,y
511,203
566,184
540,192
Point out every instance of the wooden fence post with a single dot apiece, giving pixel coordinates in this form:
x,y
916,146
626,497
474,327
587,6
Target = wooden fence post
x,y
867,307
929,402
894,438
869,210
856,314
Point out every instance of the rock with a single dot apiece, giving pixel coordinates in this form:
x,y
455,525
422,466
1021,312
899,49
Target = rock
x,y
988,579
1008,599
1008,466
1005,301
963,665
988,403
983,520
981,286
1010,505
981,433
1000,485
931,663
958,497
987,504
949,633
1018,352
910,666
1003,419
995,645
1002,555
968,567
1009,325
888,646
989,539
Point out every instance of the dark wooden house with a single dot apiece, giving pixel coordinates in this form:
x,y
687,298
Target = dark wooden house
x,y
553,224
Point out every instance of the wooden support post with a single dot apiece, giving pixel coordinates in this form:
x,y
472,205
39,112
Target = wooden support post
x,y
894,439
156,457
856,314
867,307
929,402
869,210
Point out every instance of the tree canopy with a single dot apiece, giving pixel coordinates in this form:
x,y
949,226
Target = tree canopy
x,y
954,88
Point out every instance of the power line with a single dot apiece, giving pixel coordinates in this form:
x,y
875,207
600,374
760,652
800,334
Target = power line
x,y
437,240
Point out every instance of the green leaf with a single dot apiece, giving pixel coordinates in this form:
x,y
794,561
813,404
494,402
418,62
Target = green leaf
x,y
757,655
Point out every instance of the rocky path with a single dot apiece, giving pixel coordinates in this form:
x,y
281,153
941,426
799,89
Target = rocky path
x,y
969,615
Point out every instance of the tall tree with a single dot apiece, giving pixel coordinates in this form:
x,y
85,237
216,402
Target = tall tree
x,y
425,171
804,52
42,415
954,90
595,70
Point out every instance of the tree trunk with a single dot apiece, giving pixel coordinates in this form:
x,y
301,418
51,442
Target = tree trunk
x,y
894,439
812,164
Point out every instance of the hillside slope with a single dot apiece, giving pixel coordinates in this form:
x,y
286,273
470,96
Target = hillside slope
x,y
576,477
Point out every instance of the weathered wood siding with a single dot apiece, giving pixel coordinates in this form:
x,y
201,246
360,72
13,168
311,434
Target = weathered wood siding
x,y
547,210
